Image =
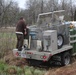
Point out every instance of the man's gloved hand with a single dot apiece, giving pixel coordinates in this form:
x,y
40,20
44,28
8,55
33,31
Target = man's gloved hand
x,y
25,33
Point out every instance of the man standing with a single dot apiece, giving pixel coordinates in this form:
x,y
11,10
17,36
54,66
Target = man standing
x,y
20,33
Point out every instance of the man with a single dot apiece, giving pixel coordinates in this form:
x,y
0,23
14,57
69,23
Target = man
x,y
20,33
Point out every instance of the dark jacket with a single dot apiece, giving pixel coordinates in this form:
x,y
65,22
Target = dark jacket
x,y
21,26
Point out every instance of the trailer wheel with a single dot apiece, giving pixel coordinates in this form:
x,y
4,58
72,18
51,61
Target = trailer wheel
x,y
60,41
65,59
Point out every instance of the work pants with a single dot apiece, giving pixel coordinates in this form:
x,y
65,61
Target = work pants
x,y
20,40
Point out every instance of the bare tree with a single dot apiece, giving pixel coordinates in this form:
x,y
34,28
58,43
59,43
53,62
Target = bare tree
x,y
10,12
33,9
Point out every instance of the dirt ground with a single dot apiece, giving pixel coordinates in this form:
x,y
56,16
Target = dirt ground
x,y
66,70
12,60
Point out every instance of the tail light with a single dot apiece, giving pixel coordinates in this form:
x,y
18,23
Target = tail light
x,y
17,54
44,57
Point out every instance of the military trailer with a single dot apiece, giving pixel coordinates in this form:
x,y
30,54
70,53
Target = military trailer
x,y
51,40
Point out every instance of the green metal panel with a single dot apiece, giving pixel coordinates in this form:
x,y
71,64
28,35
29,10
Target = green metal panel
x,y
75,42
72,38
73,33
75,47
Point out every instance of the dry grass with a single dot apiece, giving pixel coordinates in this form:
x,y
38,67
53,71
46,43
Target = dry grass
x,y
7,40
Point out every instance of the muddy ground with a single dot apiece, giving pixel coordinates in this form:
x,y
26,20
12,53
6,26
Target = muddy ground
x,y
54,70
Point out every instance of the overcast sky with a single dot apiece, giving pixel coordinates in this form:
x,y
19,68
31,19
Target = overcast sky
x,y
21,3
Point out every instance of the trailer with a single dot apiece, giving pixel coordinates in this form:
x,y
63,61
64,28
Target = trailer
x,y
51,40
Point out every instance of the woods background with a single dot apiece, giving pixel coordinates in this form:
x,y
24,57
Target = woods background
x,y
10,11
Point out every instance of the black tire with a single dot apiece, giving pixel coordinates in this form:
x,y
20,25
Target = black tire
x,y
60,40
65,58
